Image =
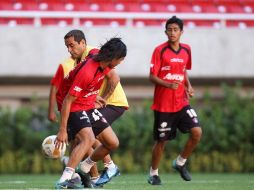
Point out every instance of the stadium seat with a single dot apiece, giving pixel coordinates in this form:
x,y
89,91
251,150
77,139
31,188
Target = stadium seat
x,y
6,5
241,24
13,22
140,23
87,22
61,22
206,6
230,6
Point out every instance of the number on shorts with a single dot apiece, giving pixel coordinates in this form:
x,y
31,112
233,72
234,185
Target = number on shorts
x,y
191,113
96,115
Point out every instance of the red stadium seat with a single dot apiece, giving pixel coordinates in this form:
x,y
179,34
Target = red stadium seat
x,y
12,22
207,6
6,5
200,23
140,23
62,22
102,22
240,24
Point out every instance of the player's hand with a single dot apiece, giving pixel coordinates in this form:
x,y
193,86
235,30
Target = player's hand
x,y
52,117
100,102
190,91
61,138
174,85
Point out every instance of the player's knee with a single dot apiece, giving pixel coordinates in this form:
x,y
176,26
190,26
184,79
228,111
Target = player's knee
x,y
114,144
88,140
196,134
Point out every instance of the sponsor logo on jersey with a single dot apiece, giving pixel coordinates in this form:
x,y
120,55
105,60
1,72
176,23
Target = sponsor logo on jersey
x,y
91,93
170,76
166,68
102,77
78,89
176,60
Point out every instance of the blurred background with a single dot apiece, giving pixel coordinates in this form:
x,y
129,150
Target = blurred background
x,y
220,33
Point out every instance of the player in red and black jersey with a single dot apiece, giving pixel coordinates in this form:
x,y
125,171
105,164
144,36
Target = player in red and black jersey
x,y
78,115
168,71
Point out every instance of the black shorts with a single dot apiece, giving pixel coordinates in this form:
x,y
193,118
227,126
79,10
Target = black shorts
x,y
79,120
112,113
166,124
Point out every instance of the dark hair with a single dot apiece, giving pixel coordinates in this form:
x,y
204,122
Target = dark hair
x,y
77,34
112,49
175,20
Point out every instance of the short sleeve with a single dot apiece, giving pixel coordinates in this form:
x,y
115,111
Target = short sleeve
x,y
58,77
155,62
189,63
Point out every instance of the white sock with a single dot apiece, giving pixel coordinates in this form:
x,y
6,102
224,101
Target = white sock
x,y
154,172
110,165
67,174
86,165
95,179
180,160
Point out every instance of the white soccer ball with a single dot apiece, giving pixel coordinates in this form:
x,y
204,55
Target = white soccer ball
x,y
49,149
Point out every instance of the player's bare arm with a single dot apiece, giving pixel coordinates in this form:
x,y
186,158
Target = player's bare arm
x,y
189,89
112,80
158,81
62,136
52,102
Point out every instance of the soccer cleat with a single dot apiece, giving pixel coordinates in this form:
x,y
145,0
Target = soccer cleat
x,y
107,175
85,179
182,170
154,180
68,184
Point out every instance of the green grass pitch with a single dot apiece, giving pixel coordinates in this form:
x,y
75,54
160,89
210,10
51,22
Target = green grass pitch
x,y
139,182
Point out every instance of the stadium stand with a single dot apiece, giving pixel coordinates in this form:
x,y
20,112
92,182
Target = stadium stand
x,y
141,12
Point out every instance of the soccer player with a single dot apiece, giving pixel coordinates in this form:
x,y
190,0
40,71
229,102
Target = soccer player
x,y
111,91
79,51
116,104
168,71
78,114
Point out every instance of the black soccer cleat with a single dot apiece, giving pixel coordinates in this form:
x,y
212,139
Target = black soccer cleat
x,y
182,170
154,180
68,184
85,179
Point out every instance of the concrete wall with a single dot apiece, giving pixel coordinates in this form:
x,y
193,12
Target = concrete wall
x,y
28,51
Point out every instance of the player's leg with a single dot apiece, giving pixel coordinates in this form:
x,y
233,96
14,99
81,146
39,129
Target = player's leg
x,y
109,143
157,152
82,131
162,132
111,114
188,124
86,138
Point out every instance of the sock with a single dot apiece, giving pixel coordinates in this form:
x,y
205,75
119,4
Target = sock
x,y
154,172
180,160
65,160
95,179
67,174
86,165
110,165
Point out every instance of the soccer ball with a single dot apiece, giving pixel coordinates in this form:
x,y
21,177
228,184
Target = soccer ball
x,y
49,149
